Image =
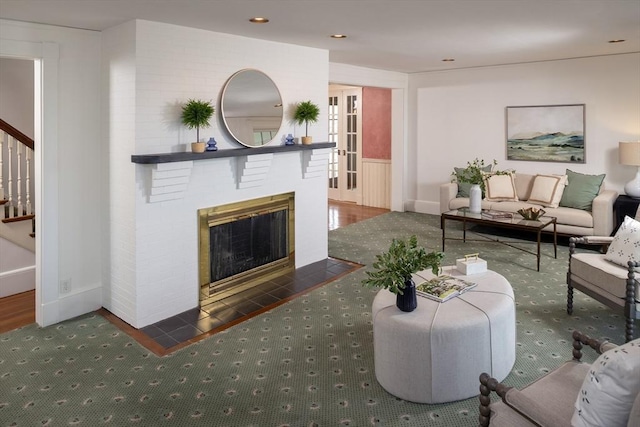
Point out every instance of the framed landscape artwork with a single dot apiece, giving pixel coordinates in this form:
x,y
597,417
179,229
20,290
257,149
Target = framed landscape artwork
x,y
547,133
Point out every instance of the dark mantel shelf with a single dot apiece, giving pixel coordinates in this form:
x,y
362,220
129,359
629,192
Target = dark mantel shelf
x,y
147,159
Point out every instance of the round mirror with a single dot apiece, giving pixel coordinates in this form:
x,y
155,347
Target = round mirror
x,y
251,108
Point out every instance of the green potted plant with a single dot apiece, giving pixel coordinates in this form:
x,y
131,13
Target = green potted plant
x,y
306,112
472,174
195,114
393,270
471,183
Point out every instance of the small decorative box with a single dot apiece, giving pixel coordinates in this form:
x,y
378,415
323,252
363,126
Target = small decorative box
x,y
471,264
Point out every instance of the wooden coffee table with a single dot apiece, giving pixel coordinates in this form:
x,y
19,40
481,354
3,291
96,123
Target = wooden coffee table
x,y
514,223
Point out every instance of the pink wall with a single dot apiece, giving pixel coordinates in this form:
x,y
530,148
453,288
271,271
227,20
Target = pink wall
x,y
376,123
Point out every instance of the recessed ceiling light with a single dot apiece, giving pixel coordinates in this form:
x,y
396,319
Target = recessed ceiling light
x,y
448,60
617,41
338,36
259,20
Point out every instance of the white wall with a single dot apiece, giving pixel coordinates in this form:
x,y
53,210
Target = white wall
x,y
153,69
69,217
17,269
16,87
459,115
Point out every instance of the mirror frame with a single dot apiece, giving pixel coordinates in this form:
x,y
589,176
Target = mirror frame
x,y
249,103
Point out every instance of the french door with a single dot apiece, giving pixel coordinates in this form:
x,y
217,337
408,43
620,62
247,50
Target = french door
x,y
345,129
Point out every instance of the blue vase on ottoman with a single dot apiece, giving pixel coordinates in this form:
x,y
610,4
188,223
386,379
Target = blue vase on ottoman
x,y
408,301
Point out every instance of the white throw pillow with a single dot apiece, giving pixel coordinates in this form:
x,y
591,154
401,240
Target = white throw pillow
x,y
500,187
547,190
610,388
625,246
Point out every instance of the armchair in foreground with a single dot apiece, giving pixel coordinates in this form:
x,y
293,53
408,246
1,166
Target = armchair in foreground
x,y
605,393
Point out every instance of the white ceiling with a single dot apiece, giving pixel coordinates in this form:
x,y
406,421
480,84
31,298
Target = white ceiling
x,y
399,35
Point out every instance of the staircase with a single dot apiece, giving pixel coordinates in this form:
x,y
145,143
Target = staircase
x,y
17,219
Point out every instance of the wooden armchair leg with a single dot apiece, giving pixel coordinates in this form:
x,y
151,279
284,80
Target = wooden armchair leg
x,y
487,385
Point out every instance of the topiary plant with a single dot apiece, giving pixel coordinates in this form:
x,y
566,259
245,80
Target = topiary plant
x,y
306,112
196,114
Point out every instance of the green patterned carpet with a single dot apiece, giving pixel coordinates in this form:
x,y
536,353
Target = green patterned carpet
x,y
305,363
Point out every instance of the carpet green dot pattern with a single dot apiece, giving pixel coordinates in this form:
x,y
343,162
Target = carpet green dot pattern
x,y
308,362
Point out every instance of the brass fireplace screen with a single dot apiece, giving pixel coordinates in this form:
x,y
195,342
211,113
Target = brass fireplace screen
x,y
244,243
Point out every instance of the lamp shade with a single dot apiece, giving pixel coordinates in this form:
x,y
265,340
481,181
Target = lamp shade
x,y
629,153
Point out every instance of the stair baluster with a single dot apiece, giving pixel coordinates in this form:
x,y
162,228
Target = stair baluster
x,y
28,207
10,209
19,208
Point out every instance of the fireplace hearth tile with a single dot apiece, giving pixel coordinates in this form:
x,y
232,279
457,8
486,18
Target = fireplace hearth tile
x,y
228,314
171,324
247,307
282,292
265,300
208,323
242,305
193,315
152,331
166,341
184,333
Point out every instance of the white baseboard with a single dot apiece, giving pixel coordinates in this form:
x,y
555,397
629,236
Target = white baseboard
x,y
69,306
424,206
17,281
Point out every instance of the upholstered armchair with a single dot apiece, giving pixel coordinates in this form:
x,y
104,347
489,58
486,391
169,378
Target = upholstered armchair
x,y
609,277
605,393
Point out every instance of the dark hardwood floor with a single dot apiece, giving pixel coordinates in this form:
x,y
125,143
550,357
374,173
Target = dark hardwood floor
x,y
17,310
193,325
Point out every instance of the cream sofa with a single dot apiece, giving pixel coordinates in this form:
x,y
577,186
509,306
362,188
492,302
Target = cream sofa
x,y
570,221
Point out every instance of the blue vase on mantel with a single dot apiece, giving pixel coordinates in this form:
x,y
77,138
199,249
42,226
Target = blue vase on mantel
x,y
408,301
211,144
289,140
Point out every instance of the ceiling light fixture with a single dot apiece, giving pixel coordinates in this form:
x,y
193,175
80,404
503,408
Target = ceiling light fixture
x,y
617,41
338,36
448,60
259,20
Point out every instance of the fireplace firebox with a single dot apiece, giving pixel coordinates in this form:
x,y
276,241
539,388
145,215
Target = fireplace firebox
x,y
245,243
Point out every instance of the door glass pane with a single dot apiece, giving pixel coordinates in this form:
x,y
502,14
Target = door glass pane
x,y
334,116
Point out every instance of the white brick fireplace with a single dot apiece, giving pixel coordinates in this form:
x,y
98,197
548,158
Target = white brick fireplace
x,y
151,69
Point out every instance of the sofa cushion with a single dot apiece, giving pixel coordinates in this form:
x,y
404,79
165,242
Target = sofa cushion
x,y
610,388
581,189
547,190
499,187
524,182
626,243
464,187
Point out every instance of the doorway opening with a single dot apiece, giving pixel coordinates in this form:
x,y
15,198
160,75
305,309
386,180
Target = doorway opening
x,y
360,164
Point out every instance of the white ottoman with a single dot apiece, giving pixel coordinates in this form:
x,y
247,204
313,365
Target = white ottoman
x,y
437,352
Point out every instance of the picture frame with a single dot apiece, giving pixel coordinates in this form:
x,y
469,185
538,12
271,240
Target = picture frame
x,y
546,133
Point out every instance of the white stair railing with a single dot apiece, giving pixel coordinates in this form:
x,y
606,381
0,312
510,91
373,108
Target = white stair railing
x,y
15,177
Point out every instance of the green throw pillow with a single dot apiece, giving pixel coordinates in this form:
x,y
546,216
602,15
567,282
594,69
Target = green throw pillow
x,y
465,187
581,190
